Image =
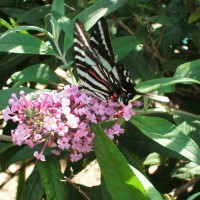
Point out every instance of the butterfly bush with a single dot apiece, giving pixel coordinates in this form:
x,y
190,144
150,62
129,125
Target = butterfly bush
x,y
60,120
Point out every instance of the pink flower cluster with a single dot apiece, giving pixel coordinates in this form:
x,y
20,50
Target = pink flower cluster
x,y
60,120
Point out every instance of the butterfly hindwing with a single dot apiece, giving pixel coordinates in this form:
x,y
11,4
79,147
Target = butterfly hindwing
x,y
123,78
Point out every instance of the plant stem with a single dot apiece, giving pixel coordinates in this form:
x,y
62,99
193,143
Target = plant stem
x,y
62,57
77,187
6,138
165,110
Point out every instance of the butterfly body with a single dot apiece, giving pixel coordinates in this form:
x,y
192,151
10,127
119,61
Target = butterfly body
x,y
97,70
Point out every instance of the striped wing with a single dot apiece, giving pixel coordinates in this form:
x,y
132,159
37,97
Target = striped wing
x,y
123,78
101,43
94,78
96,68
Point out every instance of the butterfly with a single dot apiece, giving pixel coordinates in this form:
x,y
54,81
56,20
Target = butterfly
x,y
96,67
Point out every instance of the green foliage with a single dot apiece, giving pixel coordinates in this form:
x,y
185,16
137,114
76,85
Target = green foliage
x,y
37,73
24,43
51,177
168,135
121,53
194,196
120,180
187,73
158,41
186,170
33,188
5,95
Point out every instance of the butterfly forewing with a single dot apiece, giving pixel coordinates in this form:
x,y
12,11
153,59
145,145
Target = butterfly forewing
x,y
101,43
89,69
96,68
84,54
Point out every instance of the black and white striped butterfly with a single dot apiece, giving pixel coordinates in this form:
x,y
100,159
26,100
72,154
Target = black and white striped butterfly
x,y
97,70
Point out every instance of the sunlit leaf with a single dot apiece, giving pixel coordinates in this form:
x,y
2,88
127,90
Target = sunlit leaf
x,y
24,43
34,14
122,50
168,135
36,73
120,179
187,73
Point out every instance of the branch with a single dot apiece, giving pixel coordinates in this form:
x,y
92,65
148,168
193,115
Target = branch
x,y
121,23
176,192
6,138
165,110
17,172
70,7
77,187
152,50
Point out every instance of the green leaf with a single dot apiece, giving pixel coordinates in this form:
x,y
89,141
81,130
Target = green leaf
x,y
131,157
154,159
120,180
13,12
26,28
34,14
187,73
155,84
6,3
194,196
150,190
33,188
10,61
51,176
168,135
189,70
122,50
5,95
186,170
161,19
57,6
152,193
138,66
94,192
172,37
5,146
67,26
143,145
4,157
194,16
65,23
21,181
105,193
5,23
26,152
188,123
24,43
88,16
37,73
107,123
